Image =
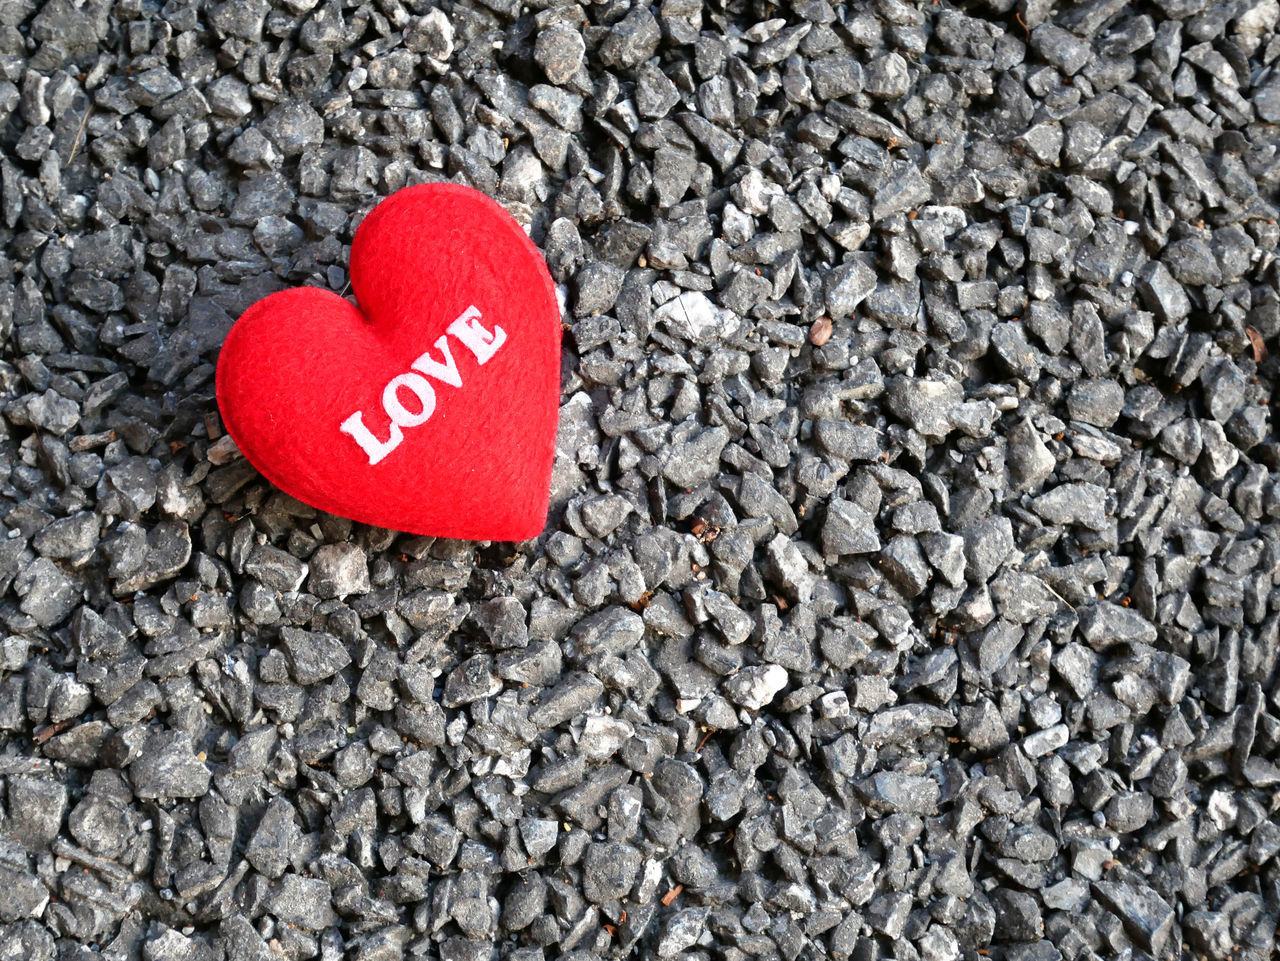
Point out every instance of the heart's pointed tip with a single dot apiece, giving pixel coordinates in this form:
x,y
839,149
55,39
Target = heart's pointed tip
x,y
517,530
503,535
527,526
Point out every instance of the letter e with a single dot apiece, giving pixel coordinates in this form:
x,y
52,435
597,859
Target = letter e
x,y
468,329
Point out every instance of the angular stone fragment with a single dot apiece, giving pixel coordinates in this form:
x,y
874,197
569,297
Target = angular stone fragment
x,y
609,871
631,40
1029,460
682,931
1145,914
754,687
887,76
1162,293
168,768
847,286
570,698
894,791
338,570
313,656
1082,504
788,568
22,895
1096,401
559,51
305,902
1104,624
848,529
270,847
1061,48
925,405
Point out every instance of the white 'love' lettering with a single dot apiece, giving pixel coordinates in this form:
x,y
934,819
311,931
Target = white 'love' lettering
x,y
467,329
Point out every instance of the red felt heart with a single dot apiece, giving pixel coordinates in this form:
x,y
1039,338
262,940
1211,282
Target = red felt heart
x,y
432,407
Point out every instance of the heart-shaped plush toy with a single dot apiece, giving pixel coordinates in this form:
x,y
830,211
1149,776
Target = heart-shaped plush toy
x,y
432,407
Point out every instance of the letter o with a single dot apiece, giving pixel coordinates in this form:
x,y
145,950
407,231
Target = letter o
x,y
396,411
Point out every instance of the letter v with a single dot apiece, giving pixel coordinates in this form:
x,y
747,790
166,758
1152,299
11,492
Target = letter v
x,y
446,373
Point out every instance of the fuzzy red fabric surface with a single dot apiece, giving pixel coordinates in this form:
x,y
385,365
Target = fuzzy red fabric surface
x,y
432,407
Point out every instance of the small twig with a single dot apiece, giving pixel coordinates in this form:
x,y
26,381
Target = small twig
x,y
75,144
1058,596
48,732
1258,344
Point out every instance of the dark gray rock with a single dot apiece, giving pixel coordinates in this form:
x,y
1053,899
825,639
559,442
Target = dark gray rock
x,y
904,564
754,687
570,698
907,723
759,498
987,544
1191,261
1010,343
598,285
503,620
432,35
787,567
276,834
1145,914
293,127
22,895
897,792
470,681
1029,459
1082,504
36,810
68,537
313,656
609,871
1096,402
1163,295
982,727
887,77
682,931
305,902
276,569
47,594
655,93
848,529
847,286
1129,811
695,460
338,570
1017,915
631,40
925,405
849,441
168,767
1104,624
1061,48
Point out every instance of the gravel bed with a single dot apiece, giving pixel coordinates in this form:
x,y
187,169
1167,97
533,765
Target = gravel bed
x,y
911,584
